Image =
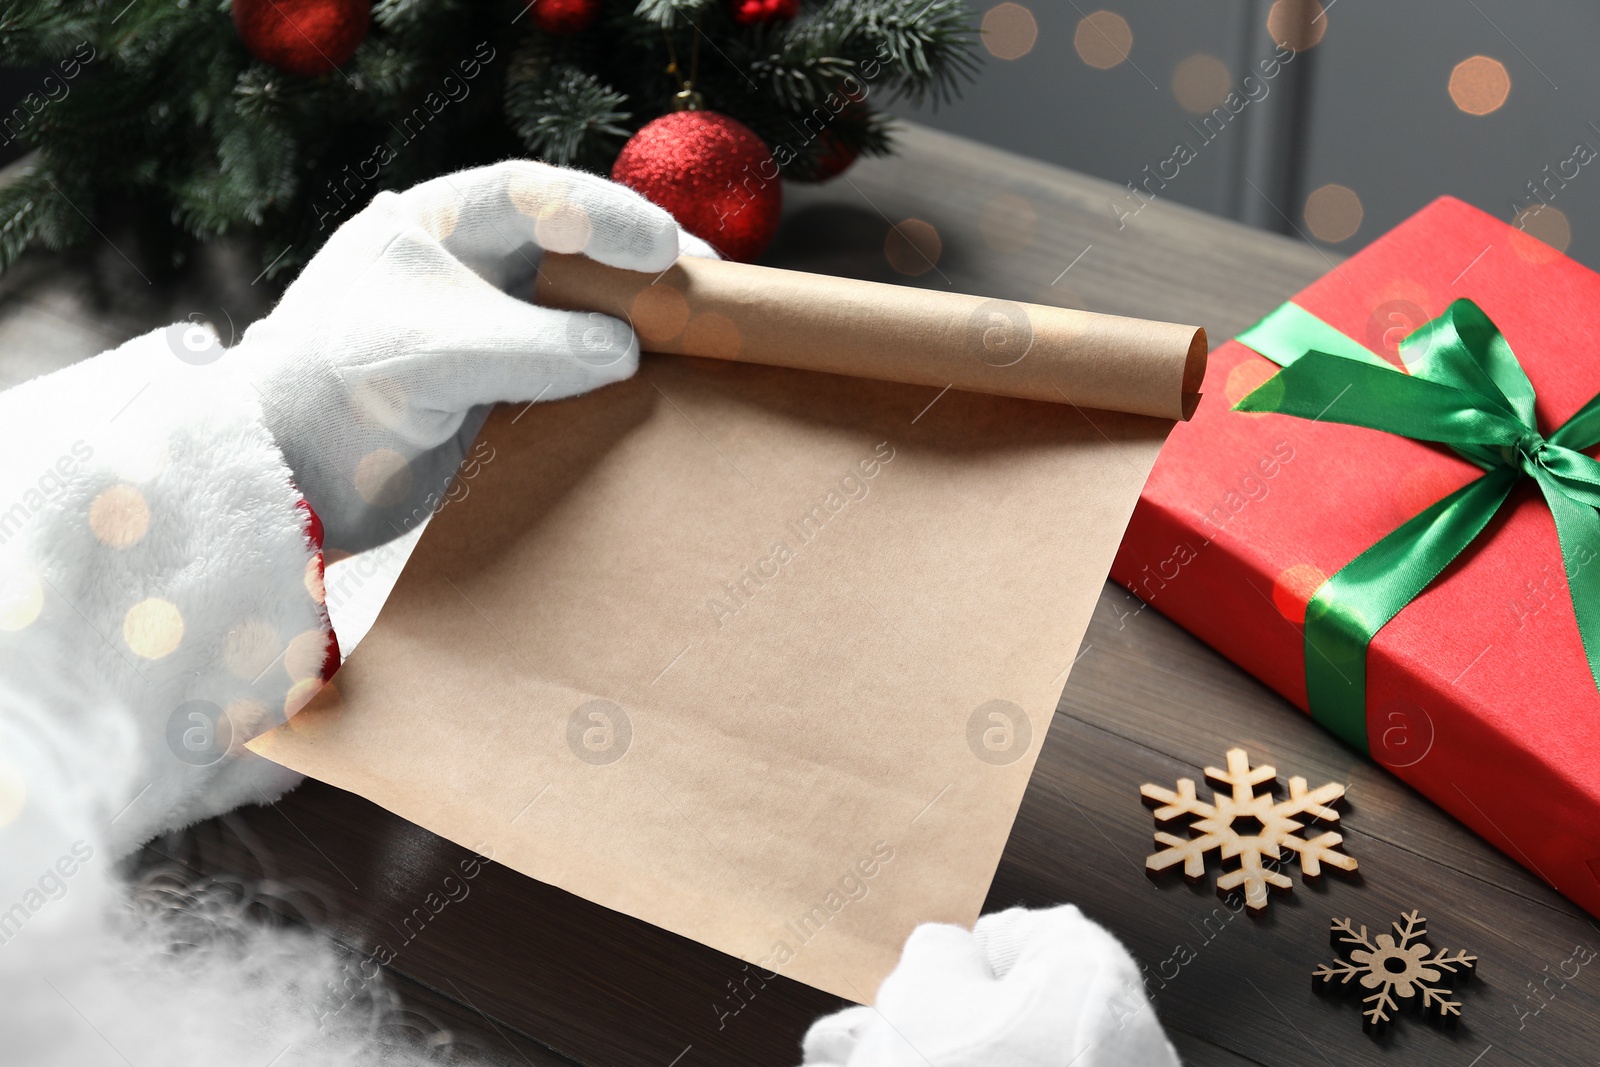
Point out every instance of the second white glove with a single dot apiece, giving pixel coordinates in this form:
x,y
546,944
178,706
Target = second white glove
x,y
1022,989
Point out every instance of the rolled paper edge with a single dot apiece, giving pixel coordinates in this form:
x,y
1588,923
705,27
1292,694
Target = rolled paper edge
x,y
1194,372
865,329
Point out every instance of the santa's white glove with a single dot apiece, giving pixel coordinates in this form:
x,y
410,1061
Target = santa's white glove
x,y
1023,989
377,368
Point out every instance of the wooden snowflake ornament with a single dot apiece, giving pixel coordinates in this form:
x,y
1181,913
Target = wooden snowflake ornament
x,y
1241,825
1399,967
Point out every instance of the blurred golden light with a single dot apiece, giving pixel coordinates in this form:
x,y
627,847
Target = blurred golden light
x,y
300,694
440,214
153,628
532,192
1245,379
250,648
246,718
1479,85
660,313
1008,222
119,516
1297,24
383,477
563,227
913,247
313,579
1103,39
21,598
1543,232
1201,83
306,654
1009,31
714,335
1333,213
1293,588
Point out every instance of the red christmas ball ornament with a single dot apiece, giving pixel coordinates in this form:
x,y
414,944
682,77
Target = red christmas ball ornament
x,y
835,159
564,16
712,174
306,37
753,11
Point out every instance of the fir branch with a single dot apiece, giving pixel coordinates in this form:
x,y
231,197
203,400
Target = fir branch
x,y
386,71
19,215
53,216
925,46
36,32
796,68
530,61
669,14
578,121
397,13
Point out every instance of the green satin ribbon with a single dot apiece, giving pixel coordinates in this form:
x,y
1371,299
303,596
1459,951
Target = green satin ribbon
x,y
1465,389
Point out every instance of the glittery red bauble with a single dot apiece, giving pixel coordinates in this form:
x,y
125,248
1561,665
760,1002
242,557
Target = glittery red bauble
x,y
835,159
302,36
750,11
712,173
563,16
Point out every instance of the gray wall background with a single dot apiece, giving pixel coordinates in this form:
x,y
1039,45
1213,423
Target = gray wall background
x,y
1367,107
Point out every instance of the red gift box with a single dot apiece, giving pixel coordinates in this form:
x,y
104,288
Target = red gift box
x,y
1478,692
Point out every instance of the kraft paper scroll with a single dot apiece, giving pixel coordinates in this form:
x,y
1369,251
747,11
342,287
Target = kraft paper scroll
x,y
785,318
759,655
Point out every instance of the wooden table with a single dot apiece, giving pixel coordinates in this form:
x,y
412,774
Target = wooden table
x,y
515,965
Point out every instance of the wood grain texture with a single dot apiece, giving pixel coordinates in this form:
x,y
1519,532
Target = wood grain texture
x,y
565,981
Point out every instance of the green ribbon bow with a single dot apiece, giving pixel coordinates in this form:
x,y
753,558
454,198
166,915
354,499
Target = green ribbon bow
x,y
1466,390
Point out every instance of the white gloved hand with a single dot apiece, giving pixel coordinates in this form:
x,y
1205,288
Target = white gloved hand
x,y
377,368
1023,989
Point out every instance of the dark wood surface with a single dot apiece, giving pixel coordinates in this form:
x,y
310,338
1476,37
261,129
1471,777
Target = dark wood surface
x,y
524,973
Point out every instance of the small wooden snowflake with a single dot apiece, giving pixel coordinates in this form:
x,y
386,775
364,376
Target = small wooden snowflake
x,y
1249,827
1400,966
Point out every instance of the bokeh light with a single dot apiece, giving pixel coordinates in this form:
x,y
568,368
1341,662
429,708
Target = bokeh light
x,y
1479,85
1009,31
913,247
300,694
383,477
153,628
1008,222
1103,39
1245,379
1293,588
1543,232
246,718
440,214
1297,24
306,654
713,335
21,598
1333,213
119,516
563,226
660,313
250,648
315,584
1201,83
